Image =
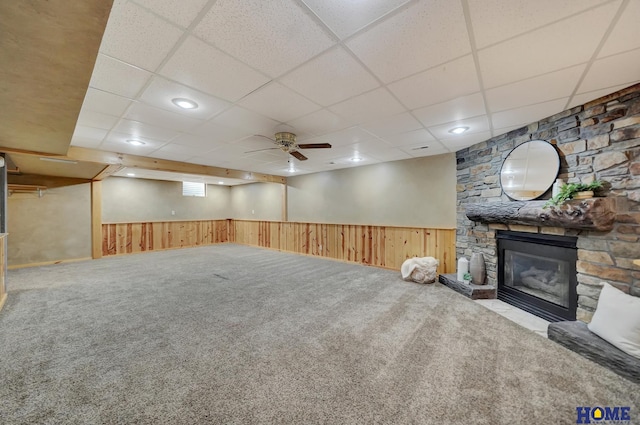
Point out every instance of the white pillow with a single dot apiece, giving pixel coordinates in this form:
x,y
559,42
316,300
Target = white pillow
x,y
617,319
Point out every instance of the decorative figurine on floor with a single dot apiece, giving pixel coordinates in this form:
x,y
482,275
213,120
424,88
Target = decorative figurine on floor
x,y
421,270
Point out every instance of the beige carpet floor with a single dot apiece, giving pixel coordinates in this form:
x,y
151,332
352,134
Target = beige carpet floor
x,y
230,334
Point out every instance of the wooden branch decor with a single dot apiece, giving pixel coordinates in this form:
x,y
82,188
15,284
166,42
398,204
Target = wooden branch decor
x,y
587,214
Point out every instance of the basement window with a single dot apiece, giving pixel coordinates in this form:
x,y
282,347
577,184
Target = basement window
x,y
194,189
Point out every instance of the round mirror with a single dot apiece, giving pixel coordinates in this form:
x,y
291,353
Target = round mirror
x,y
529,170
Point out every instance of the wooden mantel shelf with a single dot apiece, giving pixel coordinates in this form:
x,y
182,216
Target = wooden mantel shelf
x,y
586,214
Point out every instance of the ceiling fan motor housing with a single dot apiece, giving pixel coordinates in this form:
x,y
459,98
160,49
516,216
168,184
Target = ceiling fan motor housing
x,y
286,140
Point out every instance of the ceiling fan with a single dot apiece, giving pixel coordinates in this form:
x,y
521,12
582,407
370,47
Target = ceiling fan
x,y
286,142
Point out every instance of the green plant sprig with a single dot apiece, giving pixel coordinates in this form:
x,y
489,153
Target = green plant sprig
x,y
568,191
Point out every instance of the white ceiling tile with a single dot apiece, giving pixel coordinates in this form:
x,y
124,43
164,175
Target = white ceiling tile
x,y
476,125
582,98
253,143
89,118
138,37
272,36
421,36
370,145
527,114
540,51
540,89
117,142
161,92
419,150
105,103
229,151
518,16
319,122
160,118
141,130
348,136
278,102
389,154
180,13
176,152
368,106
411,138
248,121
212,133
454,144
330,78
269,156
198,65
117,77
346,17
201,143
626,34
612,70
456,109
445,82
88,137
395,124
499,131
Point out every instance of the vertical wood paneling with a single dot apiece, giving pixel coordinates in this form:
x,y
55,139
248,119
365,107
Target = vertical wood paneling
x,y
130,238
381,246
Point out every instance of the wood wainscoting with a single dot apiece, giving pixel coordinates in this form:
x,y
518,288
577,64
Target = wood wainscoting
x,y
129,238
381,246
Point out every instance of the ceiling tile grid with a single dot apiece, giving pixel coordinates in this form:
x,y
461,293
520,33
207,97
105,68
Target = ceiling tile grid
x,y
271,36
389,78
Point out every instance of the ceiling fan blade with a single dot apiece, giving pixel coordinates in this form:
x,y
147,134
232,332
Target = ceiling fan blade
x,y
298,155
314,145
260,150
260,135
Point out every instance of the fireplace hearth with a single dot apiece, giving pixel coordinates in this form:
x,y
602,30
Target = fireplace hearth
x,y
537,273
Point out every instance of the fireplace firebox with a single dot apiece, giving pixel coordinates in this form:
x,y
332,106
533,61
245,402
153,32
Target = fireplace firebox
x,y
537,273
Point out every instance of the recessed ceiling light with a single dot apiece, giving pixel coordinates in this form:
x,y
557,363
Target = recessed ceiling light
x,y
220,182
458,130
184,103
356,159
131,174
135,142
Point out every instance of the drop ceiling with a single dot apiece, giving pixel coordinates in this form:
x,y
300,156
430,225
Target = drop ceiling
x,y
380,80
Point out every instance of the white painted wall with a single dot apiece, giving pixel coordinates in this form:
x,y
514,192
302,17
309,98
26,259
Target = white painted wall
x,y
55,227
417,192
130,200
257,201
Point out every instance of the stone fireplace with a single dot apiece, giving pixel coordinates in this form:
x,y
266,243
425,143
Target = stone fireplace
x,y
598,140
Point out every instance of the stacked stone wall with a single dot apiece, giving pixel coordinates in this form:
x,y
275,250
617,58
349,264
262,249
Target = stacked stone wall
x,y
598,140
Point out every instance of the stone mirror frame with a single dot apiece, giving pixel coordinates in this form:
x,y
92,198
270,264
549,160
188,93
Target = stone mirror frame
x,y
529,170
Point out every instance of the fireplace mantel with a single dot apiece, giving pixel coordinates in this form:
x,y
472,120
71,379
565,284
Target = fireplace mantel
x,y
587,214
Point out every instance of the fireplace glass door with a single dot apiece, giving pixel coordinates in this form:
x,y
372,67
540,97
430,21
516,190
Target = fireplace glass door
x,y
542,277
538,274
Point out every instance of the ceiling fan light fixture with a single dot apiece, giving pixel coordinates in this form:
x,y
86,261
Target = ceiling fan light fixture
x,y
183,103
458,130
